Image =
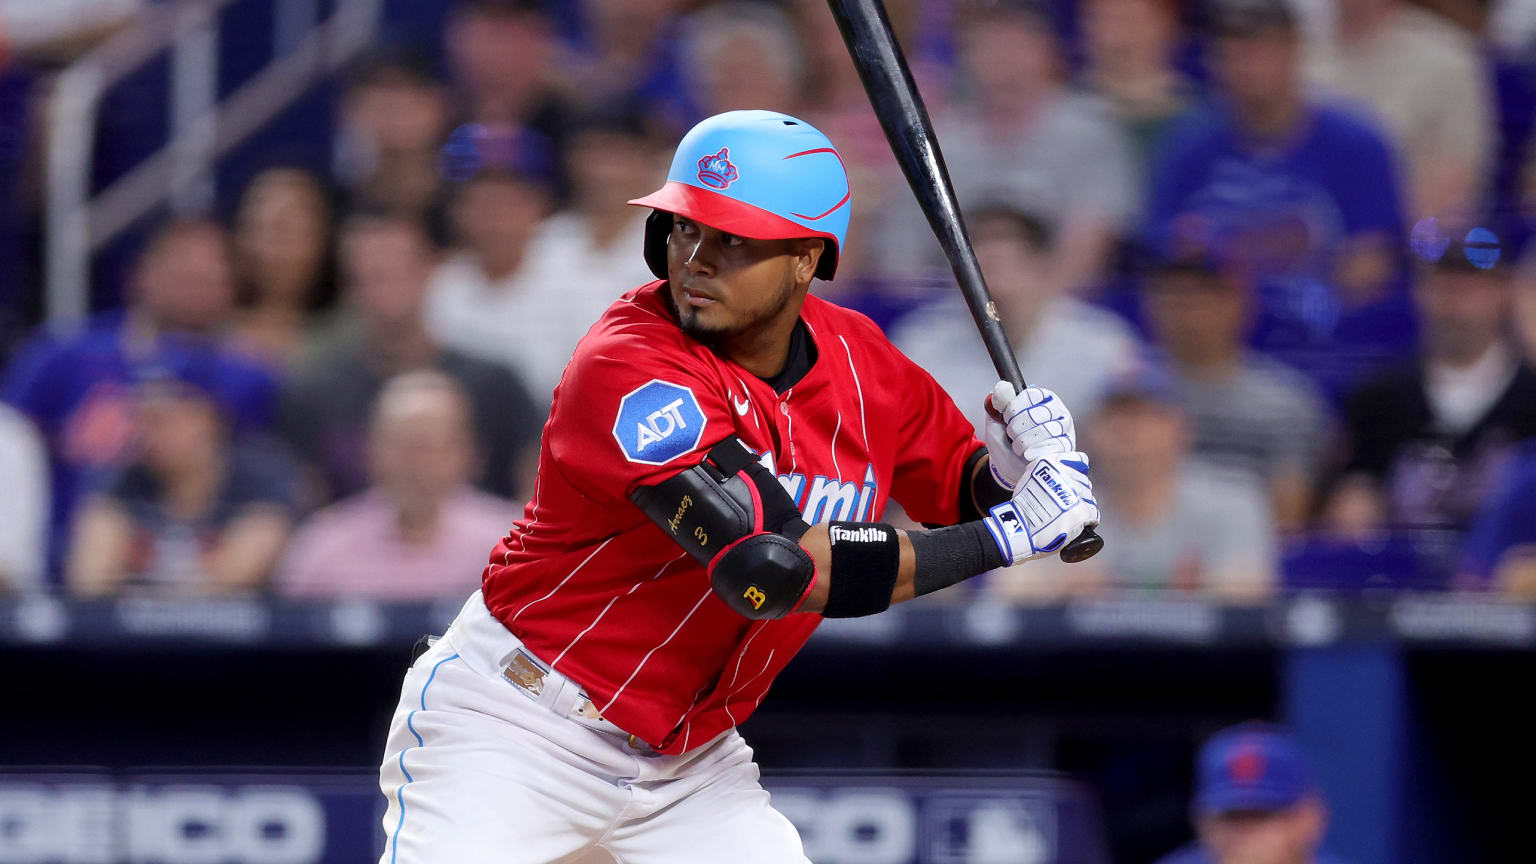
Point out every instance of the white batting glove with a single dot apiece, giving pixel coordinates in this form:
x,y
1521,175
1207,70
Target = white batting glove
x,y
1022,427
1050,507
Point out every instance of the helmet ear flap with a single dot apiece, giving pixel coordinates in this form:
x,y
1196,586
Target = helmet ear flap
x,y
658,226
827,266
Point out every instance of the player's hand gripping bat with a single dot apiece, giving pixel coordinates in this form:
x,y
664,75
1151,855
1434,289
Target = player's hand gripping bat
x,y
888,81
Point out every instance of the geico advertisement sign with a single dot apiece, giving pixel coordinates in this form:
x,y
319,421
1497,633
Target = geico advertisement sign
x,y
98,823
102,824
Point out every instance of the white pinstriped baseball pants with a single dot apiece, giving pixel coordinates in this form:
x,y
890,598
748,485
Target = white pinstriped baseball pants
x,y
476,772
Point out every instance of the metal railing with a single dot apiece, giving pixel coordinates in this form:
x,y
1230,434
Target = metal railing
x,y
203,128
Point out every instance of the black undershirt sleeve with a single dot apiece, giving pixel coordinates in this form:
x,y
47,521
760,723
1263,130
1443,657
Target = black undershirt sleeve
x,y
979,488
945,556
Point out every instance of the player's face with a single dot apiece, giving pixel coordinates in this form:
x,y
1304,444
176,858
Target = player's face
x,y
725,286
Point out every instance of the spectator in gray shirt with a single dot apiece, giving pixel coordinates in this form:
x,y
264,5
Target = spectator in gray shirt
x,y
1174,522
1019,134
1425,79
386,263
1129,53
1066,344
1247,412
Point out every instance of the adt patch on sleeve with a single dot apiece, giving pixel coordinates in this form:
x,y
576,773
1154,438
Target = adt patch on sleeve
x,y
658,422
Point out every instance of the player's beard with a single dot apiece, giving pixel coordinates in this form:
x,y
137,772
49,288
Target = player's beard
x,y
717,335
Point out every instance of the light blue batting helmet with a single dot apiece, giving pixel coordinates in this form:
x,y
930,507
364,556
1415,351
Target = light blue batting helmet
x,y
758,174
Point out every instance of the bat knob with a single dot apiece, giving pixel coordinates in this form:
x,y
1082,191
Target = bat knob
x,y
1084,547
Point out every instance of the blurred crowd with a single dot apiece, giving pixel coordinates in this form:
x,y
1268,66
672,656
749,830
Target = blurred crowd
x,y
1269,251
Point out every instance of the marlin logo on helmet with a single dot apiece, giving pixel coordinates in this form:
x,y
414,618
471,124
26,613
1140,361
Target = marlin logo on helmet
x,y
716,169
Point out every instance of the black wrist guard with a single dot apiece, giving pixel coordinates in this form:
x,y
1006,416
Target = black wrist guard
x,y
865,559
954,554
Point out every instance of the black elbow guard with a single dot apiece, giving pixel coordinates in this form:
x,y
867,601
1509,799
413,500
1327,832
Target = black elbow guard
x,y
763,576
731,515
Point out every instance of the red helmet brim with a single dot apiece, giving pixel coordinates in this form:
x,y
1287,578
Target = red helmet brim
x,y
727,214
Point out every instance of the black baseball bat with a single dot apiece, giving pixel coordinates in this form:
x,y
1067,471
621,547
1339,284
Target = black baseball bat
x,y
888,81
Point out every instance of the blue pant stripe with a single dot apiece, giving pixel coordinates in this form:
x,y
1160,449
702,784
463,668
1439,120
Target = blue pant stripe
x,y
394,841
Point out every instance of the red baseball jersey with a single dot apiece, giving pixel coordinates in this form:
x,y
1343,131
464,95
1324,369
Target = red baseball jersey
x,y
595,589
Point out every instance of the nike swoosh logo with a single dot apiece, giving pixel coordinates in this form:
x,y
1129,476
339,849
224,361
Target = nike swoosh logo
x,y
741,407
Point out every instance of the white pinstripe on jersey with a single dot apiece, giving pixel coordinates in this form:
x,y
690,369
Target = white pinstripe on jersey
x,y
612,600
619,692
789,427
566,579
857,388
727,704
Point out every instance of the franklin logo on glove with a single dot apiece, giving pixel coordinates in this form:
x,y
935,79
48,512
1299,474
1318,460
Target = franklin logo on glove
x,y
1048,479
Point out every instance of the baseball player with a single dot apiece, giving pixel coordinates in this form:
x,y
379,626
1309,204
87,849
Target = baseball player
x,y
712,476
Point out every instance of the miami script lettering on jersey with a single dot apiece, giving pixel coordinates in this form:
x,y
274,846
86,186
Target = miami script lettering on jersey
x,y
821,498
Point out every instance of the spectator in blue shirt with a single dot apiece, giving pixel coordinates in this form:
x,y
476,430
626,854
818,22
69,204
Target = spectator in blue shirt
x,y
76,388
1306,193
194,512
1255,802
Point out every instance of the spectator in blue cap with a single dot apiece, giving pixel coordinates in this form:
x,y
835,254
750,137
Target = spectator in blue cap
x,y
1255,802
75,387
194,512
510,294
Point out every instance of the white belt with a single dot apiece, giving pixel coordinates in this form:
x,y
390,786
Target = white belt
x,y
561,695
477,631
